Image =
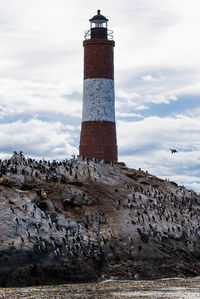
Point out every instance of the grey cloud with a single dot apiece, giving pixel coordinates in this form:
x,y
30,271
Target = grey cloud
x,y
38,138
149,142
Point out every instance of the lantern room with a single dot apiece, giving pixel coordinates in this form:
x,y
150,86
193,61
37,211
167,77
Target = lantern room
x,y
98,26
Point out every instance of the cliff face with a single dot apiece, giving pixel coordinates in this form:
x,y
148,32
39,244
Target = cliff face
x,y
86,220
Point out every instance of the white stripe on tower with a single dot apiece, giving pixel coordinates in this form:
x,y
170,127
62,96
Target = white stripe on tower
x,y
98,100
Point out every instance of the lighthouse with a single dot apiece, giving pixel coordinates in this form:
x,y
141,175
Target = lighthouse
x,y
98,128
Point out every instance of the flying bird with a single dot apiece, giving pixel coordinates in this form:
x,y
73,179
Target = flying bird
x,y
173,151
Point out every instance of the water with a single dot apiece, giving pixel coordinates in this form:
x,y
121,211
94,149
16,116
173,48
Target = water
x,y
164,288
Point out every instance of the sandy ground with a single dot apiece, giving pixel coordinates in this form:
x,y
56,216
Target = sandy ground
x,y
165,288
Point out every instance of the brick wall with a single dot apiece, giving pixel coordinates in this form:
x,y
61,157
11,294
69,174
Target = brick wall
x,y
98,139
98,59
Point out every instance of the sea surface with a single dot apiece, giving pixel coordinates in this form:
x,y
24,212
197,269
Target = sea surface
x,y
164,288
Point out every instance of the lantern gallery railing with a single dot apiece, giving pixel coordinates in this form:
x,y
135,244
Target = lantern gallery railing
x,y
109,34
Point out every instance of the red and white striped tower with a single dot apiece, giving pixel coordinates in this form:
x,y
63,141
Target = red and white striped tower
x,y
98,130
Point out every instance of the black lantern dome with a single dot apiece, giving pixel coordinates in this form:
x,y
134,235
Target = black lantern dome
x,y
98,18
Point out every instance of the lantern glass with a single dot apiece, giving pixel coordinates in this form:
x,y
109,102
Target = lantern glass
x,y
98,24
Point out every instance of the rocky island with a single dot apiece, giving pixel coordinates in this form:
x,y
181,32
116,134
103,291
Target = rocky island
x,y
85,220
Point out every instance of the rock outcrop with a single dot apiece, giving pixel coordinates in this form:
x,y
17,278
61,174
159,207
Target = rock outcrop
x,y
86,220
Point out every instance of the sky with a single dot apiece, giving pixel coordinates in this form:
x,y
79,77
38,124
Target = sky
x,y
157,81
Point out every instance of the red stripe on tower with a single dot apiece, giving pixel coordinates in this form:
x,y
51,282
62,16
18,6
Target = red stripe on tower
x,y
98,130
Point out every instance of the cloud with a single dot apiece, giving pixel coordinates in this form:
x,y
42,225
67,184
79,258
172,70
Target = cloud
x,y
180,131
151,78
146,143
160,99
37,138
34,98
125,115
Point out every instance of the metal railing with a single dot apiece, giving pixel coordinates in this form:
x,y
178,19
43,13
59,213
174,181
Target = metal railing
x,y
87,34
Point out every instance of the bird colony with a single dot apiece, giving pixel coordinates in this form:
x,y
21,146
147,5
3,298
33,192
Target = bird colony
x,y
89,219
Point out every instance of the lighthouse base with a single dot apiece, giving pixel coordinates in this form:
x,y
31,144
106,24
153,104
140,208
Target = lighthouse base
x,y
98,140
